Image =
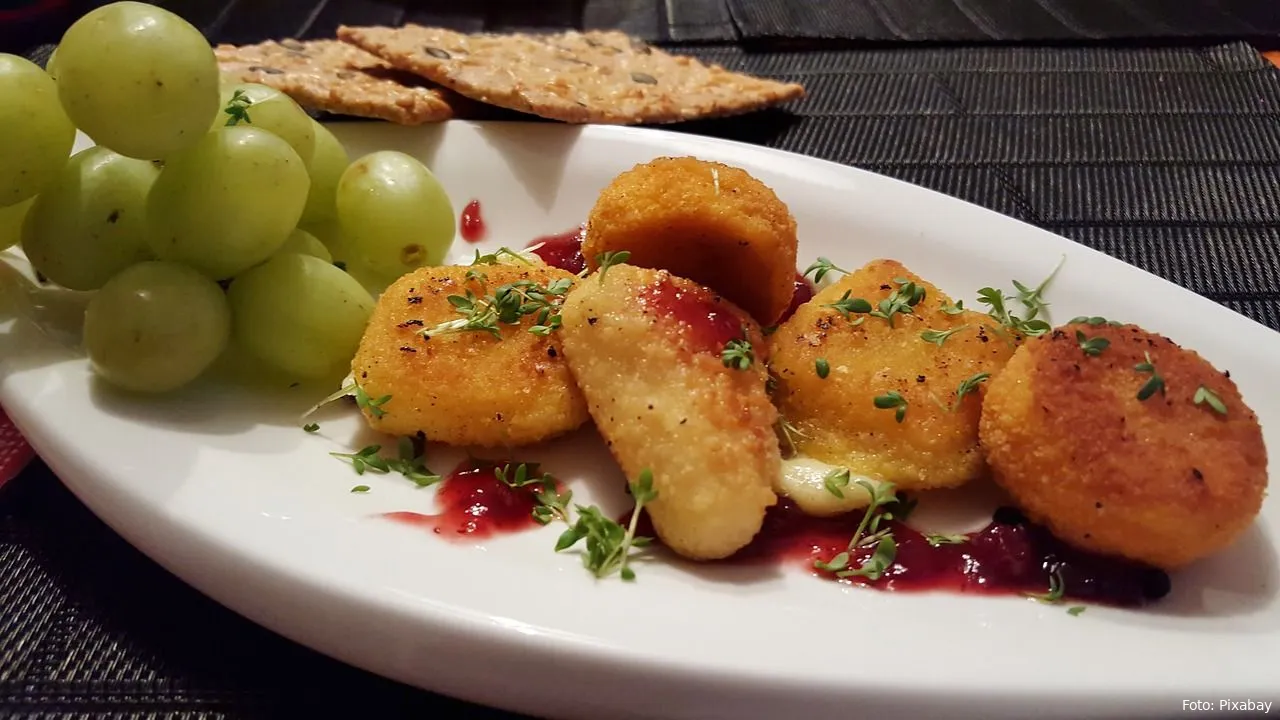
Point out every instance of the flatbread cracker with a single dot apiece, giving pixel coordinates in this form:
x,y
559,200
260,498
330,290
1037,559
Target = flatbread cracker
x,y
575,77
337,77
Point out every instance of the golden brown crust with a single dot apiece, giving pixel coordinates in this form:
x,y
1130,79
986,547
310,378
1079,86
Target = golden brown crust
x,y
1162,480
333,76
576,77
663,399
936,444
464,388
705,221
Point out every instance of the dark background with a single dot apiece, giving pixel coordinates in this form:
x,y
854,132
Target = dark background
x,y
1147,129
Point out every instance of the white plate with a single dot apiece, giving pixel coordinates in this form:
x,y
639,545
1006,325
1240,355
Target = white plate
x,y
224,490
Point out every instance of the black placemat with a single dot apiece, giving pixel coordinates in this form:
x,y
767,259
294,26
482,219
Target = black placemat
x,y
1166,158
1005,20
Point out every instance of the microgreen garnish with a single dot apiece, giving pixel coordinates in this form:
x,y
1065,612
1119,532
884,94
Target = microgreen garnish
x,y
508,305
409,464
937,337
367,458
348,389
373,405
1091,346
1205,396
901,301
1033,299
996,300
789,434
360,489
1095,321
310,427
608,259
738,353
495,257
552,504
1154,384
237,109
936,540
836,481
968,385
1075,610
892,401
956,309
608,543
822,367
1056,589
847,306
868,534
821,268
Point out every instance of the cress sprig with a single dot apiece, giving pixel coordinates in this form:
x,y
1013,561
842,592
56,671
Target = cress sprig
x,y
509,304
237,109
408,462
608,543
869,532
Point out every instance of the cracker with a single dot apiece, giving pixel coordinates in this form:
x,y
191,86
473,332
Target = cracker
x,y
576,77
337,77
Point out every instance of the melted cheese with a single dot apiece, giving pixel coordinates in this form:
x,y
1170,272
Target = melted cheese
x,y
803,480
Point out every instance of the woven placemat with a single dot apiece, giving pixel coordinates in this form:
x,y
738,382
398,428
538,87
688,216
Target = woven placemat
x,y
1166,158
983,20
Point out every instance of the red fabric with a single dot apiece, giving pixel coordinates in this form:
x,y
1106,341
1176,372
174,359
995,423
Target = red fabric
x,y
15,453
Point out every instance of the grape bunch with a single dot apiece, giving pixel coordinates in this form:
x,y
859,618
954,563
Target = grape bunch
x,y
208,216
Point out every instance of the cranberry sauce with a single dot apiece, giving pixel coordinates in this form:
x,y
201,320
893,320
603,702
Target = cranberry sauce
x,y
563,251
471,223
474,504
1008,556
709,325
802,293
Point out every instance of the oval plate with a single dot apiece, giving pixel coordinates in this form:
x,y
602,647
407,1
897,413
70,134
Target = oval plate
x,y
222,488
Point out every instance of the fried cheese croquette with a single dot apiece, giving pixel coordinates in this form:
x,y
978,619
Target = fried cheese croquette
x,y
1161,480
465,388
648,350
891,405
711,223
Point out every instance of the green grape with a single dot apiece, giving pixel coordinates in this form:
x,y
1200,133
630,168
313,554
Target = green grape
x,y
49,67
395,213
271,110
35,132
156,327
11,218
138,79
301,241
227,203
327,164
300,315
91,222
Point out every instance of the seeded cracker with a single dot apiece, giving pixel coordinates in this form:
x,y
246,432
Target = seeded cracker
x,y
336,77
576,77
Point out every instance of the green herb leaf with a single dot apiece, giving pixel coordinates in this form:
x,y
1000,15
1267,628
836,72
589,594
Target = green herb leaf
x,y
836,481
837,563
956,309
967,386
1154,384
892,401
1205,396
372,405
310,427
937,540
821,268
848,306
237,109
822,368
1075,610
495,258
937,337
874,566
1091,347
738,353
360,489
607,260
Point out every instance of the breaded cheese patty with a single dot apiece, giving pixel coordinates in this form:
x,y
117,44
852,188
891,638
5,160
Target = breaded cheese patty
x,y
465,388
1160,479
896,400
647,349
705,221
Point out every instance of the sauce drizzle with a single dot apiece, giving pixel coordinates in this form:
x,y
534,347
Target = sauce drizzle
x,y
563,250
471,224
475,504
